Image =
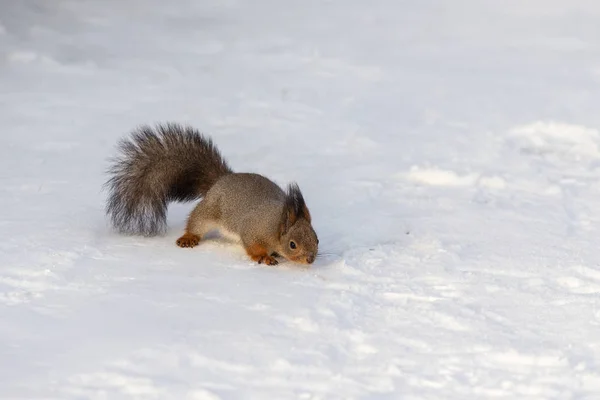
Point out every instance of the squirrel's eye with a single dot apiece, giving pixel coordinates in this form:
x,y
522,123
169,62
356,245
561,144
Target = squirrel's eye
x,y
292,244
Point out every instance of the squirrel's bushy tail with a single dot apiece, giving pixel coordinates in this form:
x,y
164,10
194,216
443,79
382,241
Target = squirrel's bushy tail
x,y
157,165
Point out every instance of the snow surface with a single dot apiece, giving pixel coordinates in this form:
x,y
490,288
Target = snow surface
x,y
449,153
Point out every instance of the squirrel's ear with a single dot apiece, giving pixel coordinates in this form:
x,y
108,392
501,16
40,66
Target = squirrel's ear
x,y
295,207
287,220
306,213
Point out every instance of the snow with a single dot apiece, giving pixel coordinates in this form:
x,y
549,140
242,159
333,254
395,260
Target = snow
x,y
449,154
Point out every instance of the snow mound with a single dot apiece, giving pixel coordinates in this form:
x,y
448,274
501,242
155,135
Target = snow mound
x,y
567,141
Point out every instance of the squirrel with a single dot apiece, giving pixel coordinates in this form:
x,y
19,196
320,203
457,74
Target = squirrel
x,y
173,162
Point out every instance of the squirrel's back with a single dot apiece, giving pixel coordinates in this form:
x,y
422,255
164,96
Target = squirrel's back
x,y
157,165
247,190
247,200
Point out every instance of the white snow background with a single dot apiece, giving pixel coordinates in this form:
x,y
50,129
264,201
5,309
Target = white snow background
x,y
448,151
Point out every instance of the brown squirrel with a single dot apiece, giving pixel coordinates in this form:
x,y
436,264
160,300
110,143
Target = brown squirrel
x,y
172,162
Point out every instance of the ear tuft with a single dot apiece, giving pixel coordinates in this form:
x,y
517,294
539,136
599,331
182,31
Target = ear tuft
x,y
295,202
295,207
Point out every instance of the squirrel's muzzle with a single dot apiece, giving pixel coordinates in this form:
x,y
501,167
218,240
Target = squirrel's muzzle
x,y
310,258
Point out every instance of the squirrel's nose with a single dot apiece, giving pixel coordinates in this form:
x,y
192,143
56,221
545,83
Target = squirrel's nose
x,y
310,258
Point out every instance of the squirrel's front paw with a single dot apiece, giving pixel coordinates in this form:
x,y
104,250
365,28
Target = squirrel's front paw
x,y
268,260
188,240
260,254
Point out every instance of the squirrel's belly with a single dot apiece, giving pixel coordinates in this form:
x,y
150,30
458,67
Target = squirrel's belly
x,y
230,235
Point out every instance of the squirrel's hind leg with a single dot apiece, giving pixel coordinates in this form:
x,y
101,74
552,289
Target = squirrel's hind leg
x,y
200,222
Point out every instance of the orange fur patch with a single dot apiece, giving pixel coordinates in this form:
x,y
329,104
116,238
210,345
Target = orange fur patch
x,y
260,254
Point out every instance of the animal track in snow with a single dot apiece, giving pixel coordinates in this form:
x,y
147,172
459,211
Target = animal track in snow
x,y
19,285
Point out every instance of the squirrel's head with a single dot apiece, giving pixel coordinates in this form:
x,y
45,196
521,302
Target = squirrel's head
x,y
299,242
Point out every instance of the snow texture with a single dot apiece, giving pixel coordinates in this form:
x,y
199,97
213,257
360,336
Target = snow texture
x,y
448,152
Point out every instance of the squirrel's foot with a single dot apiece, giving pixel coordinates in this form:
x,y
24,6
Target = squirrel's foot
x,y
267,260
188,240
260,254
